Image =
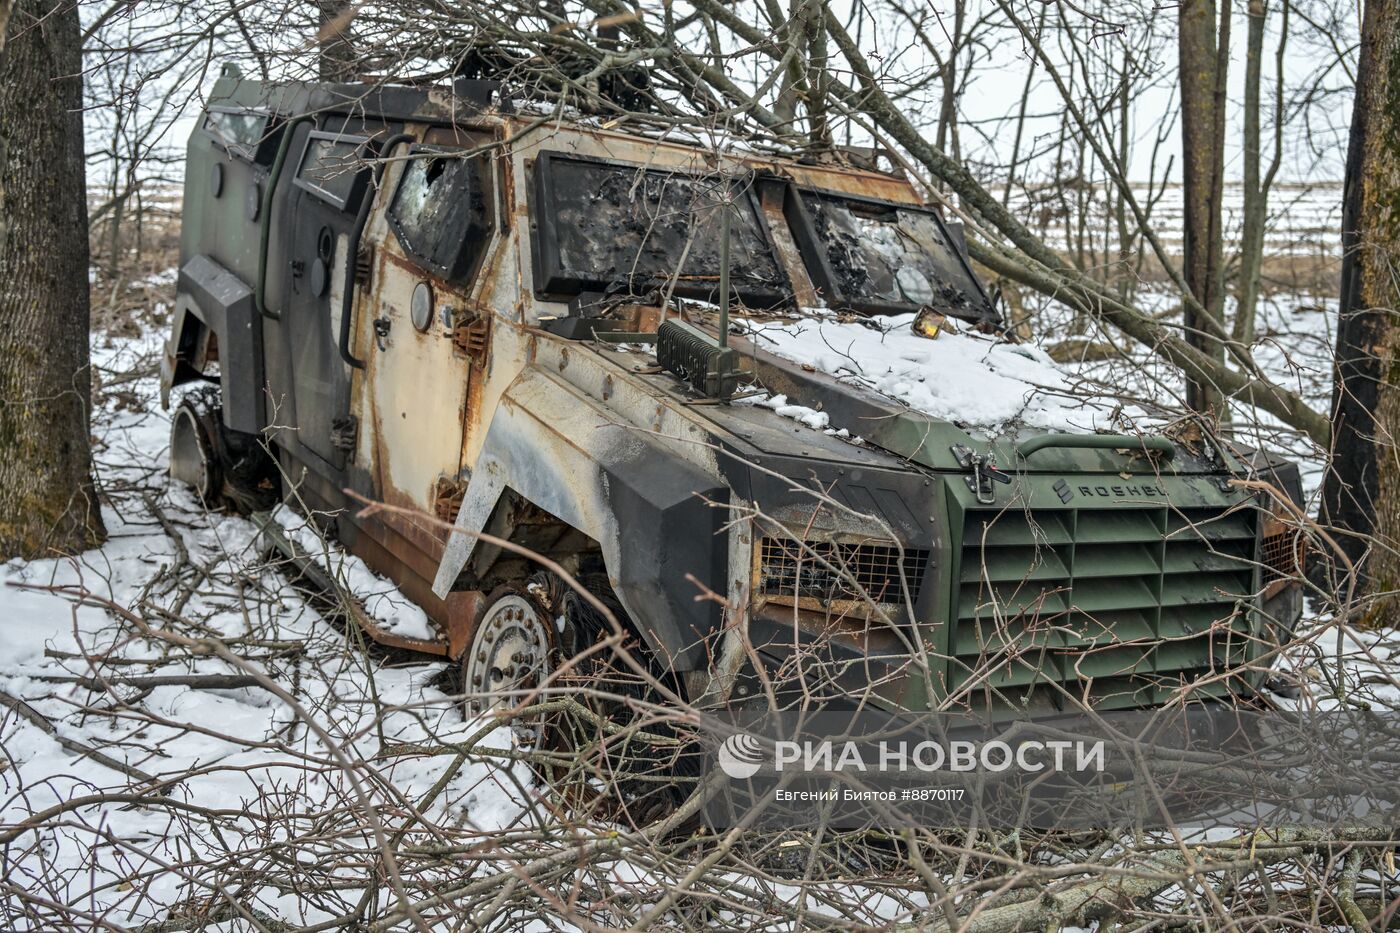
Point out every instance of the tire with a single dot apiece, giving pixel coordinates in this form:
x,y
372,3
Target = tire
x,y
194,459
632,778
590,753
225,469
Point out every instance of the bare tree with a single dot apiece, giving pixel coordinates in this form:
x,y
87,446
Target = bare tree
x,y
6,9
1362,489
1256,189
1203,68
336,55
47,498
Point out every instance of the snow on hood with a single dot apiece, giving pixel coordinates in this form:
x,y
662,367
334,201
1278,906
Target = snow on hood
x,y
973,380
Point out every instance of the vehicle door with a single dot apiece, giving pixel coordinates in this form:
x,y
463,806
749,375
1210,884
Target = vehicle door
x,y
331,180
429,311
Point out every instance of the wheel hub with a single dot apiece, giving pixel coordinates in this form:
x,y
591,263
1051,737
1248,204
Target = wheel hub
x,y
509,653
191,459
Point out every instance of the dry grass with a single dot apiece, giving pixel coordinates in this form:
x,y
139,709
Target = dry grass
x,y
134,291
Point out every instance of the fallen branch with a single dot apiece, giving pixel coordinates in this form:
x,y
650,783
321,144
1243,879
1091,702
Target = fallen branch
x,y
21,708
1110,896
193,681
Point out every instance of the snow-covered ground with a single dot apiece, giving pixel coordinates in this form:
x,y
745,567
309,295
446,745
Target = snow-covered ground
x,y
187,743
224,766
382,602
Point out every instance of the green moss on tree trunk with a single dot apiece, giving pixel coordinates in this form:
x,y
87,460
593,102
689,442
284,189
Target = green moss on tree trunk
x,y
48,502
1362,491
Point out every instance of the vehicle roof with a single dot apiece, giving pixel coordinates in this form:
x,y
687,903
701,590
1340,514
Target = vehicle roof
x,y
521,120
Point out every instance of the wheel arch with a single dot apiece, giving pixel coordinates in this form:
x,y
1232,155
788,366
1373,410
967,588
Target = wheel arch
x,y
191,346
652,513
215,319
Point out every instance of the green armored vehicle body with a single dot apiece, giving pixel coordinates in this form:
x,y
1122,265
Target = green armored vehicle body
x,y
519,332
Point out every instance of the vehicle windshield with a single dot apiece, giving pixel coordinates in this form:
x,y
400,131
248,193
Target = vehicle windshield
x,y
606,225
877,257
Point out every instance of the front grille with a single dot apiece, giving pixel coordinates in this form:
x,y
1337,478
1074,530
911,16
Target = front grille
x,y
1118,607
827,571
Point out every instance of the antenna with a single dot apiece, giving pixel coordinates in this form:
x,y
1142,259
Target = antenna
x,y
724,267
691,353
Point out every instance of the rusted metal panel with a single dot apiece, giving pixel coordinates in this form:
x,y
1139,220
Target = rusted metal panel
x,y
416,386
463,610
1284,554
612,144
349,602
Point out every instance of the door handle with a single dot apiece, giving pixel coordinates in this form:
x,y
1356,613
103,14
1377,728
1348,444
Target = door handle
x,y
265,215
352,253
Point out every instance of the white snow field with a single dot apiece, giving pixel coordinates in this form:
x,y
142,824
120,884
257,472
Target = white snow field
x,y
224,778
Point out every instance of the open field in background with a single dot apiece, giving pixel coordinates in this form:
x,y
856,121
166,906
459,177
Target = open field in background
x,y
1302,240
1300,215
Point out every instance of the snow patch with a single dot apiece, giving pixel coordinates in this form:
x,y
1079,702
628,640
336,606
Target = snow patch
x,y
817,420
382,600
970,379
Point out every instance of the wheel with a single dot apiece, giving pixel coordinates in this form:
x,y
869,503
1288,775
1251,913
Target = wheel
x,y
633,761
226,469
594,753
509,653
193,457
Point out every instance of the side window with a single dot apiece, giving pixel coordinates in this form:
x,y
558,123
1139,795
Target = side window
x,y
440,211
333,168
241,132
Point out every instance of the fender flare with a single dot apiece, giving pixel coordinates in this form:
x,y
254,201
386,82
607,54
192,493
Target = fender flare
x,y
656,516
224,304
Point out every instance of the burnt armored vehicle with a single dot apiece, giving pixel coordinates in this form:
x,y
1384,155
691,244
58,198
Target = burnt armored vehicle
x,y
544,332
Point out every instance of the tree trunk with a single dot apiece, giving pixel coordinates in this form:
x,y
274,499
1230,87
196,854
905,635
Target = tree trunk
x,y
1361,492
818,127
1255,199
1203,66
336,60
1120,203
791,82
947,132
48,503
6,8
